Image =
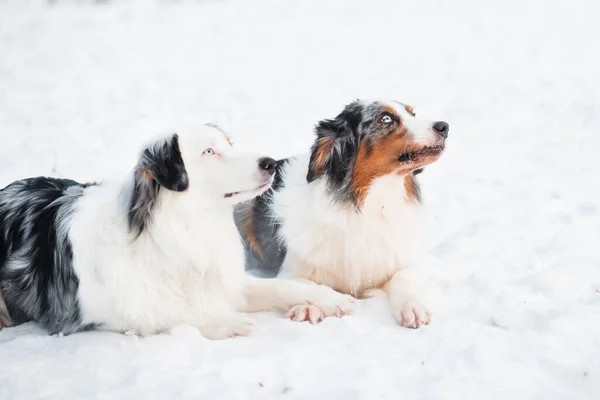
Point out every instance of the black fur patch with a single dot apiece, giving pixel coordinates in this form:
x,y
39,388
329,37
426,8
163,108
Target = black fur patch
x,y
345,131
160,166
37,278
278,180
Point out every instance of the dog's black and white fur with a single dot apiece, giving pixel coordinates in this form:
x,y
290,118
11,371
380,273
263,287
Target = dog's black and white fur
x,y
154,251
347,214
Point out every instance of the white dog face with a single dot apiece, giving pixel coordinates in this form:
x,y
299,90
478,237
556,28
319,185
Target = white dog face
x,y
198,168
220,171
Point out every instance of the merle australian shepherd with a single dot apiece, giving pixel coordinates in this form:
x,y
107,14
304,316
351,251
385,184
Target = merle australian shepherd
x,y
157,249
347,214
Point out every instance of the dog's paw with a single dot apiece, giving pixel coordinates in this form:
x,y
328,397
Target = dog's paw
x,y
306,312
338,305
236,325
325,303
241,328
412,315
335,304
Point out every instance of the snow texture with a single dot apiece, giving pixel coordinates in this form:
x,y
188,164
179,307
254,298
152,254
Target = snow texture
x,y
513,210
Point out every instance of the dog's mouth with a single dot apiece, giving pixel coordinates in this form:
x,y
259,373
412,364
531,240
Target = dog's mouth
x,y
424,152
256,190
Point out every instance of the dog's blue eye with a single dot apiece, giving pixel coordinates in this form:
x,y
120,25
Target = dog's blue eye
x,y
386,119
208,152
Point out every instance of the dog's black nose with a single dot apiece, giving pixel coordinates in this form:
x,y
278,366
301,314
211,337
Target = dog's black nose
x,y
267,164
442,128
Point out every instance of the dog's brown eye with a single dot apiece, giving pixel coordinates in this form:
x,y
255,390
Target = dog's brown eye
x,y
386,119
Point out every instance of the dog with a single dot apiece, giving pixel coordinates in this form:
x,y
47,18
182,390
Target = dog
x,y
347,214
158,249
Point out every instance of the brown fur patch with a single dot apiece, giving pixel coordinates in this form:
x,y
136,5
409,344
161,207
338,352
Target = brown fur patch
x,y
388,109
413,191
249,232
5,320
379,157
147,174
319,157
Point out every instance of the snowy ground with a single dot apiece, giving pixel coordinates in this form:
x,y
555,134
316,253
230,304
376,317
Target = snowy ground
x,y
513,205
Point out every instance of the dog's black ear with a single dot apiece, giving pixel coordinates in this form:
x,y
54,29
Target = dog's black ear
x,y
160,166
162,162
334,151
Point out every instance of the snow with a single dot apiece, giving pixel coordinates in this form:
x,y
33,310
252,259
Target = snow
x,y
514,216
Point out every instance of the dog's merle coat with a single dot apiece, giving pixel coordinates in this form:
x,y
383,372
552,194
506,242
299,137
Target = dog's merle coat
x,y
163,163
37,277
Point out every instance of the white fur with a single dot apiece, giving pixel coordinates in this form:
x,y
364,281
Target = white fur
x,y
337,245
188,266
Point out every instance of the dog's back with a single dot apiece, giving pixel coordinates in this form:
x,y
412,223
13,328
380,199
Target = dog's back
x,y
36,273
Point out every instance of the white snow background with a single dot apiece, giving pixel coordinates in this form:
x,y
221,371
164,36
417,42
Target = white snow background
x,y
514,216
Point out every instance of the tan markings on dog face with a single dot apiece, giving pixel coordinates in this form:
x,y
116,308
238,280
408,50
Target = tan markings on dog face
x,y
410,110
249,232
5,320
320,155
229,140
378,155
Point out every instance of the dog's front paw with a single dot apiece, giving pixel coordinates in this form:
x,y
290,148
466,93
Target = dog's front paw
x,y
412,315
326,303
306,312
336,304
232,326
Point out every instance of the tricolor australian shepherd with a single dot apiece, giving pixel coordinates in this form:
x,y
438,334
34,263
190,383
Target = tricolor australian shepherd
x,y
156,250
346,214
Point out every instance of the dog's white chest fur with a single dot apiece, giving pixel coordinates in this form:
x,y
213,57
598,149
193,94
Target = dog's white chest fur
x,y
337,245
149,287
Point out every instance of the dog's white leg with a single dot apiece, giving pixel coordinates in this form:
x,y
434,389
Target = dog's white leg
x,y
404,289
283,295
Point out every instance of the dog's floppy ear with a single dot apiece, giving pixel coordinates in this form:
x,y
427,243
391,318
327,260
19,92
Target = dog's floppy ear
x,y
160,166
162,162
334,150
